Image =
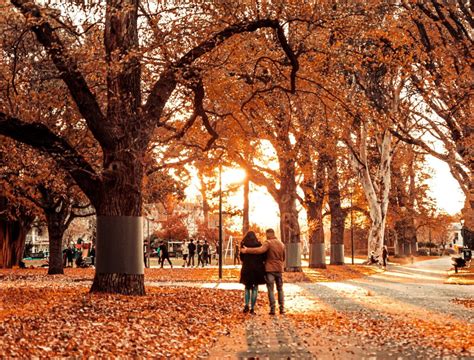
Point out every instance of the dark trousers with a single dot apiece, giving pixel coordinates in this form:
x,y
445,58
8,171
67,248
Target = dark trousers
x,y
273,278
201,259
167,257
191,259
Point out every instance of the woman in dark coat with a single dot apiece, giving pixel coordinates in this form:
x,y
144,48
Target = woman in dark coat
x,y
252,273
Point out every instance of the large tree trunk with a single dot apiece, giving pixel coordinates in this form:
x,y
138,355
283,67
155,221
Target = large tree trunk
x,y
376,189
55,233
404,202
317,253
246,212
468,209
119,250
337,215
314,199
289,225
12,242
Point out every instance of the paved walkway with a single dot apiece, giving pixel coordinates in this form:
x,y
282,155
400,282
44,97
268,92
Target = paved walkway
x,y
404,313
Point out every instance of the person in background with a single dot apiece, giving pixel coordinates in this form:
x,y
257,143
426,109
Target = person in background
x,y
274,267
185,251
385,256
164,254
236,253
200,253
205,252
65,257
70,256
192,251
252,272
92,255
211,252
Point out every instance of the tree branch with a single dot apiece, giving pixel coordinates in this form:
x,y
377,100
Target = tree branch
x,y
163,88
68,69
40,137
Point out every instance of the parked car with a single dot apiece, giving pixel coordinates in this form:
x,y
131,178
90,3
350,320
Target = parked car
x,y
38,255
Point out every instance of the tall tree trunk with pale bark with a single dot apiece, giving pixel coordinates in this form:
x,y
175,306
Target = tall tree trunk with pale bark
x,y
376,192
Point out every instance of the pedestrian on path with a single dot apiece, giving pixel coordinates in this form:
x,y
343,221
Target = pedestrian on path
x,y
385,256
185,252
252,272
211,253
274,267
236,254
200,253
205,252
164,254
192,251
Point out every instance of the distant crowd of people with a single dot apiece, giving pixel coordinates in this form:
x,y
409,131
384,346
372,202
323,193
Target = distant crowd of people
x,y
201,250
74,257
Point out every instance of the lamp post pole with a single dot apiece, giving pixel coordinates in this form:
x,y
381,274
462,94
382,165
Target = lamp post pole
x,y
220,222
148,245
352,232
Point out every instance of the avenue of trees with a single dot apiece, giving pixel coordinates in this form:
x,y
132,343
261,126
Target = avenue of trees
x,y
318,101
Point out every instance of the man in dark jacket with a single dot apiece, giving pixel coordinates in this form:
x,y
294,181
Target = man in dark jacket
x,y
205,252
274,267
192,252
164,254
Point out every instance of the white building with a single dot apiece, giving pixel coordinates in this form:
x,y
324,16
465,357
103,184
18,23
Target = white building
x,y
39,240
455,238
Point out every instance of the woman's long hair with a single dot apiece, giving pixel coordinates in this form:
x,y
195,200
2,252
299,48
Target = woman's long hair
x,y
250,240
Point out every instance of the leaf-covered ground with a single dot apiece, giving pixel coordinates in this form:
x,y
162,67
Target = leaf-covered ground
x,y
58,321
55,316
207,274
463,277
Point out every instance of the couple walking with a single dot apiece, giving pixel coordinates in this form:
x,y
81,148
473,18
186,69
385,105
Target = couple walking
x,y
262,264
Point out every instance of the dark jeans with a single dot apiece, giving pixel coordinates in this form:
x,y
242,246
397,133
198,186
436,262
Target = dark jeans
x,y
191,259
163,258
273,278
200,260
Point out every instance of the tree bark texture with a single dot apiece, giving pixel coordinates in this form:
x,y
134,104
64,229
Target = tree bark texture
x,y
313,189
12,243
376,193
337,215
56,230
126,284
404,194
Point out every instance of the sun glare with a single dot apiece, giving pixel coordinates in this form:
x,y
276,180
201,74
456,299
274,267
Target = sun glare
x,y
232,176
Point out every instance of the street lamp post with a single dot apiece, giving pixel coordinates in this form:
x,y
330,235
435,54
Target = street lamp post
x,y
352,232
220,222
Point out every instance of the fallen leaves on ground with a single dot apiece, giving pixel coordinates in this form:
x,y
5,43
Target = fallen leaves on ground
x,y
463,277
389,333
331,273
69,322
469,303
